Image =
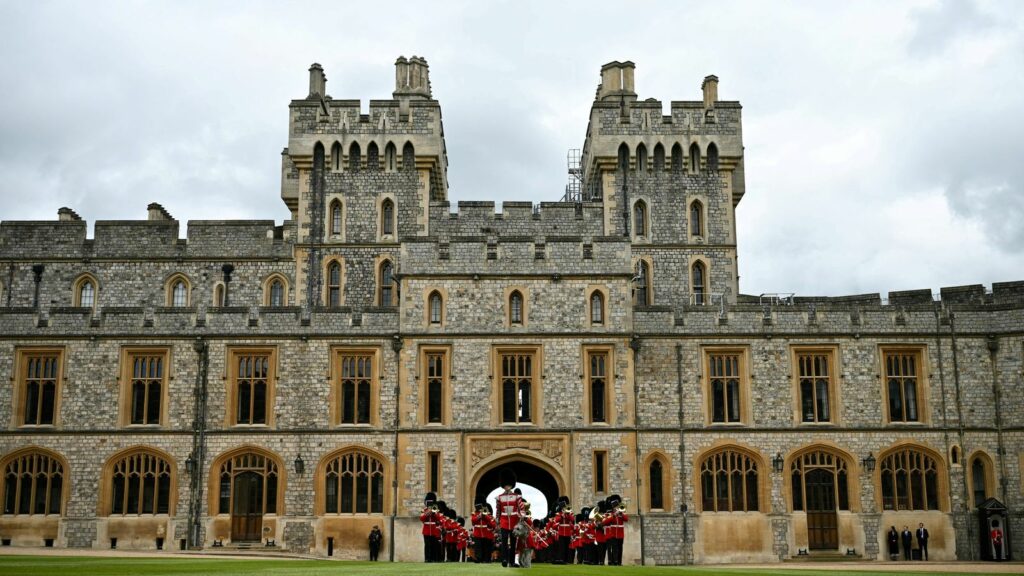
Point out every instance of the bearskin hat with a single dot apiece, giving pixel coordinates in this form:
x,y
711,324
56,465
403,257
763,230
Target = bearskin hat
x,y
429,498
442,506
450,513
507,477
603,507
614,500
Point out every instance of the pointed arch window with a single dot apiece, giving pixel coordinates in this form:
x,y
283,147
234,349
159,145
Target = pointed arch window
x,y
515,308
656,485
354,157
408,157
641,158
177,292
677,158
336,218
699,284
354,484
372,157
696,218
334,284
641,286
640,218
390,162
659,157
597,308
623,157
218,295
387,215
820,481
436,308
981,473
712,157
910,480
33,485
387,284
140,483
276,293
254,473
336,157
86,293
729,482
694,158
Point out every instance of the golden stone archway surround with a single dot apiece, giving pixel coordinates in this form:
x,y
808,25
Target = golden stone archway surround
x,y
550,452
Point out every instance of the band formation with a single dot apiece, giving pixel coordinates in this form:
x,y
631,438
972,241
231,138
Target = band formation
x,y
517,539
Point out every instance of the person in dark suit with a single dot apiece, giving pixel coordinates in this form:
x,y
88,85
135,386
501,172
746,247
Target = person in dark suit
x,y
922,540
893,538
908,541
375,539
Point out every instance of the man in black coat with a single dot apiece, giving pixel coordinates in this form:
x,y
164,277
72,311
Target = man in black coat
x,y
922,540
908,539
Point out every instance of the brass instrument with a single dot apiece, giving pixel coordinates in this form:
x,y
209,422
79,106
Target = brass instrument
x,y
622,508
434,508
595,515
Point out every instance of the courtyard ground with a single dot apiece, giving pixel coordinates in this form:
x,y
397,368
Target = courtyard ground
x,y
18,562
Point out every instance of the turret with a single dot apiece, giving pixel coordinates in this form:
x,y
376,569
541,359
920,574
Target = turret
x,y
317,81
617,81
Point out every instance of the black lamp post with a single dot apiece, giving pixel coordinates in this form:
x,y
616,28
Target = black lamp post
x,y
777,462
300,466
869,462
190,464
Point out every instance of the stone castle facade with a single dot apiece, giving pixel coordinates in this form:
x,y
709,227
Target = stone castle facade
x,y
299,383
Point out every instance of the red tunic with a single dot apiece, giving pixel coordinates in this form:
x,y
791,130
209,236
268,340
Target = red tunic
x,y
614,525
479,524
508,510
565,524
430,524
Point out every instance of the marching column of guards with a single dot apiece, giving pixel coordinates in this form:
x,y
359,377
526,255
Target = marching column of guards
x,y
593,536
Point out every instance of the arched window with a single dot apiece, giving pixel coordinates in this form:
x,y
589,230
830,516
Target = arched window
x,y
86,297
218,295
909,480
677,158
33,484
712,157
387,284
387,217
641,292
354,157
248,480
372,157
656,485
982,483
641,158
177,291
515,308
354,484
318,158
390,162
276,292
696,218
140,483
659,157
694,158
336,157
699,284
954,455
408,157
336,219
334,284
729,482
623,157
820,482
436,308
640,218
597,308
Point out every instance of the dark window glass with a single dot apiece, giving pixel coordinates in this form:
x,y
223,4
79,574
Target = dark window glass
x,y
724,370
729,482
657,496
598,385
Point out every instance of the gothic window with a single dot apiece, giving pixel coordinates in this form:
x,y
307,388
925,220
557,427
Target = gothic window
x,y
178,291
596,308
820,482
408,157
694,158
981,481
356,384
336,157
387,217
39,377
699,279
910,480
33,484
354,484
659,158
218,294
725,386
145,380
641,158
712,157
696,218
641,284
275,291
336,218
85,292
656,485
677,158
354,157
515,308
518,374
390,162
729,482
252,376
334,284
814,379
372,157
435,363
387,284
903,384
640,218
623,157
436,304
597,384
140,483
256,475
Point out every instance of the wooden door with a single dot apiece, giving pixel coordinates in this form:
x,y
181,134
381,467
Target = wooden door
x,y
247,507
822,528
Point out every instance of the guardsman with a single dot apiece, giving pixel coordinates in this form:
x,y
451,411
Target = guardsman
x,y
489,533
463,541
451,536
508,515
616,523
431,531
479,523
565,526
600,533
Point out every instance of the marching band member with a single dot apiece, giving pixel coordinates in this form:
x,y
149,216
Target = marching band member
x,y
431,530
508,515
565,524
616,523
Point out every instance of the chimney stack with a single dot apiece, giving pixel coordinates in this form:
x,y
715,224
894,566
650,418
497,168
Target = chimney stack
x,y
710,88
157,212
412,78
317,81
66,214
617,82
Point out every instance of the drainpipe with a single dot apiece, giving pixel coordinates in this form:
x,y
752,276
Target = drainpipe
x,y
37,275
198,457
10,282
634,344
959,411
682,449
227,269
997,393
396,345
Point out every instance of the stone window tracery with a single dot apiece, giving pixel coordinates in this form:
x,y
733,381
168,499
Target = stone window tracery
x,y
515,308
252,379
39,386
903,385
140,484
909,480
354,484
33,484
729,482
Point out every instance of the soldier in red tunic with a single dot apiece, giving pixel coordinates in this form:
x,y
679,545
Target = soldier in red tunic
x,y
508,516
431,530
565,523
615,529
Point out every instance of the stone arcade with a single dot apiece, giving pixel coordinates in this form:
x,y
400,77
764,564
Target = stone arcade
x,y
297,383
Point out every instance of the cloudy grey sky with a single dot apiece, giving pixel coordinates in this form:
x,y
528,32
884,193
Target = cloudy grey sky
x,y
884,145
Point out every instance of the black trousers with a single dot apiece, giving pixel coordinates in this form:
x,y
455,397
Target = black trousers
x,y
906,551
562,554
614,551
428,548
602,548
374,551
508,548
923,545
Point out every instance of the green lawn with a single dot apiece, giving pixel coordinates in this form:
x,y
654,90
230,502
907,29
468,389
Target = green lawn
x,y
90,566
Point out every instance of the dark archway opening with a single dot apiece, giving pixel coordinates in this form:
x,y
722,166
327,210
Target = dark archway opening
x,y
526,473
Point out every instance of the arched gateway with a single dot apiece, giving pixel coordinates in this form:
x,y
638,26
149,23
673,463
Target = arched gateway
x,y
528,469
